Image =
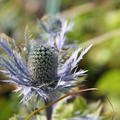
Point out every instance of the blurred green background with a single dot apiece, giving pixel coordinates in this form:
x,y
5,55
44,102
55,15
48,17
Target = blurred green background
x,y
96,22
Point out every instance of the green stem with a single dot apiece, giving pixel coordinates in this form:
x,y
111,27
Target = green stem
x,y
69,94
53,6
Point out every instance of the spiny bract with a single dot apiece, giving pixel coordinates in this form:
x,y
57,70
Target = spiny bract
x,y
45,70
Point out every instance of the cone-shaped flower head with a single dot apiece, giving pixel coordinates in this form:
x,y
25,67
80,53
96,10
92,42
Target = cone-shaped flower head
x,y
46,68
42,65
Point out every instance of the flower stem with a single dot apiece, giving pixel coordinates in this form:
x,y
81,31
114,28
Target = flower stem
x,y
53,6
69,94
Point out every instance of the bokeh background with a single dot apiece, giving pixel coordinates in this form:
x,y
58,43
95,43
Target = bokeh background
x,y
96,22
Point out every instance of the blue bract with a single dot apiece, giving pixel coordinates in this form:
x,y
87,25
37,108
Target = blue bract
x,y
47,68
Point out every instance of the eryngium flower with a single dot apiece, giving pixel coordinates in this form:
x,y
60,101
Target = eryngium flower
x,y
43,69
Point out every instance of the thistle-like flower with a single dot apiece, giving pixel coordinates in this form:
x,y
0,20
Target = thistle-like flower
x,y
45,70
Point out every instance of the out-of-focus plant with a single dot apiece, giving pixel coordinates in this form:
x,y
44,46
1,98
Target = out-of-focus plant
x,y
8,108
13,18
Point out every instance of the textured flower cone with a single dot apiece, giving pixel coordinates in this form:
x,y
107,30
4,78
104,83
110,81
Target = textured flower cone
x,y
42,65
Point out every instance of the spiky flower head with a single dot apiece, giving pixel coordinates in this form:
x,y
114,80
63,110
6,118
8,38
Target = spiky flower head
x,y
42,65
45,70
